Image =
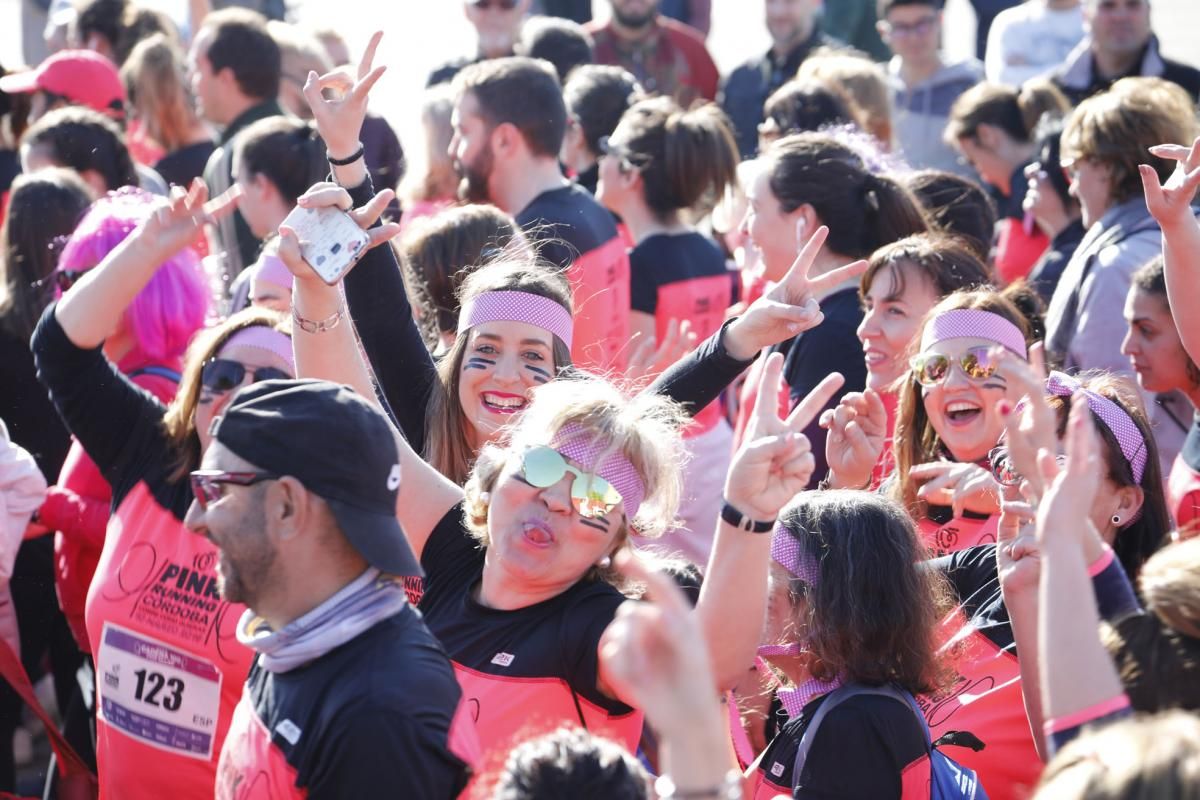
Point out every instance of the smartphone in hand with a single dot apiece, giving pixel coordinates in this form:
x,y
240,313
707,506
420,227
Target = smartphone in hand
x,y
330,240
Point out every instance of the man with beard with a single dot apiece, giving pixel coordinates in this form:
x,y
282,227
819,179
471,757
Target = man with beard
x,y
794,35
666,56
349,691
509,122
497,25
1119,44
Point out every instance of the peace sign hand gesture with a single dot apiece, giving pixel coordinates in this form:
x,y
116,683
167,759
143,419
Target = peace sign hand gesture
x,y
791,306
775,462
339,121
176,221
1171,203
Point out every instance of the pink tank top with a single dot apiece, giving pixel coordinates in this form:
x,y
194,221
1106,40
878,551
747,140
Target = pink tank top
x,y
169,668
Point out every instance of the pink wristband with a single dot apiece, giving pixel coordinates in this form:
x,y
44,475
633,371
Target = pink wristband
x,y
1101,563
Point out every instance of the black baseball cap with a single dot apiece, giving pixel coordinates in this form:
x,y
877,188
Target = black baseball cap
x,y
335,443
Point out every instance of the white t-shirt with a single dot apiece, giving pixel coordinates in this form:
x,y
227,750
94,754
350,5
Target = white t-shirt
x,y
1029,40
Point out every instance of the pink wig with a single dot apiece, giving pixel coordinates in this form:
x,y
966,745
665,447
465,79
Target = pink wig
x,y
172,306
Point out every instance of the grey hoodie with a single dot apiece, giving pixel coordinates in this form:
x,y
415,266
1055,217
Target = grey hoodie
x,y
921,114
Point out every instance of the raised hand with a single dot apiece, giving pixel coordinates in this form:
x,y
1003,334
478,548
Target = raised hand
x,y
322,195
857,432
177,220
653,654
1072,487
650,357
1033,426
963,487
790,306
339,121
775,461
1171,203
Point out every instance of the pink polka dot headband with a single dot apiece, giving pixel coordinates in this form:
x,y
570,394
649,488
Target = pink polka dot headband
x,y
1116,419
511,306
960,323
585,448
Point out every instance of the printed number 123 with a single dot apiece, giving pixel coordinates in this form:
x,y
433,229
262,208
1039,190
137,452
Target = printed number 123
x,y
151,684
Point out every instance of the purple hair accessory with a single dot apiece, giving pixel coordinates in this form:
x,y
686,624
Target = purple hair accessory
x,y
510,306
585,448
261,337
787,552
1115,418
959,323
793,649
272,270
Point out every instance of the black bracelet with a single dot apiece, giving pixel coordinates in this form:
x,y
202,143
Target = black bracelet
x,y
345,162
743,523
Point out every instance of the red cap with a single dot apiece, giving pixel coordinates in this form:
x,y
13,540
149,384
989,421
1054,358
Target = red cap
x,y
81,76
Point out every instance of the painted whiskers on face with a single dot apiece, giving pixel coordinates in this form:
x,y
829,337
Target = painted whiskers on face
x,y
475,362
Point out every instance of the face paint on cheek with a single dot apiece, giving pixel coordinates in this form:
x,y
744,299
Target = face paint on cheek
x,y
600,524
475,362
996,382
540,375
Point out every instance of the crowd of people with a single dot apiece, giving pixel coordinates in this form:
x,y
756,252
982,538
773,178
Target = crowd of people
x,y
826,429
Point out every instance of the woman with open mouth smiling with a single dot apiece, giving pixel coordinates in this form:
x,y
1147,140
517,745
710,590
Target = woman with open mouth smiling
x,y
946,422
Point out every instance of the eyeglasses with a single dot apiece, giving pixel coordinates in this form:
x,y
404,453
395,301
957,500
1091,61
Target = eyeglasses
x,y
930,369
610,148
591,495
918,28
224,374
206,483
483,5
1003,470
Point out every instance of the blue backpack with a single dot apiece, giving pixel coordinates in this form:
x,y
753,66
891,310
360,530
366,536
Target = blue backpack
x,y
949,780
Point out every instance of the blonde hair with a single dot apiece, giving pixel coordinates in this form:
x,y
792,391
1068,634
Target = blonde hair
x,y
155,85
1136,759
644,428
1117,128
863,81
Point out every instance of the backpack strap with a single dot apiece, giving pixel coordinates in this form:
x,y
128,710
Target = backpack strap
x,y
158,372
835,699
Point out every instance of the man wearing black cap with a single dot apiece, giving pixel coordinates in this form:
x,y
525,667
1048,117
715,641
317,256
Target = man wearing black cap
x,y
349,692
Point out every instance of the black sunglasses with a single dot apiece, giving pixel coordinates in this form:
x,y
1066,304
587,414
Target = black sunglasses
x,y
224,374
503,5
610,148
61,279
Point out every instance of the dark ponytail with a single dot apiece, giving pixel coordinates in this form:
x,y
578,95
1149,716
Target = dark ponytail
x,y
686,158
863,211
287,151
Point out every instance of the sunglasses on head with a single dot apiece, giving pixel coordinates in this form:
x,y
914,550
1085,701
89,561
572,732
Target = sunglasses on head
x,y
930,369
610,148
223,374
61,279
1003,470
483,5
591,495
207,483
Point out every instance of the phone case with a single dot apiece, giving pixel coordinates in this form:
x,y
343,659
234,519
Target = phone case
x,y
330,241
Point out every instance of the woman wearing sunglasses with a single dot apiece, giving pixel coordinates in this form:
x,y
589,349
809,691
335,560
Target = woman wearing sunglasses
x,y
518,579
903,281
155,603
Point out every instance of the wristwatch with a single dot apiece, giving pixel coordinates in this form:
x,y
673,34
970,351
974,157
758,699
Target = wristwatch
x,y
740,521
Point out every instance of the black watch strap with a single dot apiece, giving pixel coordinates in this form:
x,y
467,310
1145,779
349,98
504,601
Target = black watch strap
x,y
740,521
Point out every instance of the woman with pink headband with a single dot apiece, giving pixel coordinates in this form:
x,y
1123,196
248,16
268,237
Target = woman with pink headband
x,y
155,596
850,609
519,585
509,345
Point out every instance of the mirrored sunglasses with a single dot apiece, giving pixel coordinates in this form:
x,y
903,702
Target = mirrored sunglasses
x,y
591,495
930,369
